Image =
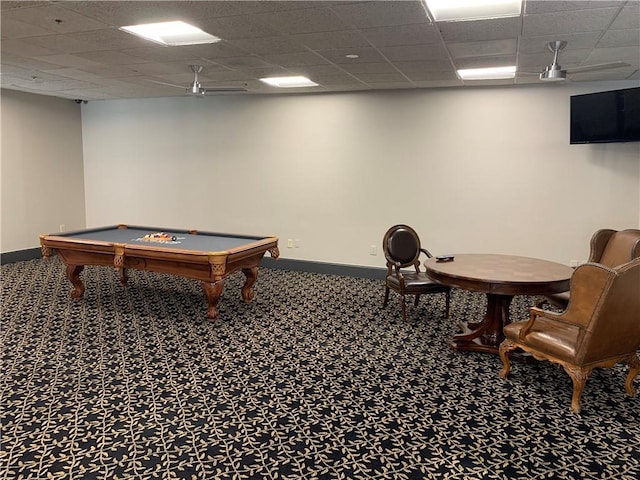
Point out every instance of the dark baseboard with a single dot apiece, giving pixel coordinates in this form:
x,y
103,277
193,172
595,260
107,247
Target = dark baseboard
x,y
372,273
20,255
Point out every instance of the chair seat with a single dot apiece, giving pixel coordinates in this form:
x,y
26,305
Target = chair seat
x,y
417,281
556,339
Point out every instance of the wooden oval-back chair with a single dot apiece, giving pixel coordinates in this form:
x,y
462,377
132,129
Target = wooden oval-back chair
x,y
402,250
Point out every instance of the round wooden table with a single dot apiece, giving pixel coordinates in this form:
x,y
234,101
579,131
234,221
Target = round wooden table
x,y
500,277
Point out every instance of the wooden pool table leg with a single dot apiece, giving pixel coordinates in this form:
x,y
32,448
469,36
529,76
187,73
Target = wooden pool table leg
x,y
124,278
252,277
213,290
73,274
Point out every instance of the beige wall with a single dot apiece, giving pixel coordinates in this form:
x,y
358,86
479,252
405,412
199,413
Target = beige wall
x,y
473,170
42,173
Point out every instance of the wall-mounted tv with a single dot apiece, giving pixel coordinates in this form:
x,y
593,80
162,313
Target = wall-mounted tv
x,y
606,117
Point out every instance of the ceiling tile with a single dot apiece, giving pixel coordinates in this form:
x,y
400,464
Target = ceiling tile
x,y
365,55
109,39
405,53
402,35
20,4
596,19
310,20
620,38
270,45
549,6
624,54
425,66
375,67
66,60
23,47
480,30
629,17
16,29
237,27
574,41
398,46
381,13
111,57
59,44
296,59
481,49
431,76
54,18
332,40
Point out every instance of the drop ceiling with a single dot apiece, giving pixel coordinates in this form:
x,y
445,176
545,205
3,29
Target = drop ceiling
x,y
74,49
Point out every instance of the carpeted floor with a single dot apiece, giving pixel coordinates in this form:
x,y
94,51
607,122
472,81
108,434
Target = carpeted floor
x,y
312,380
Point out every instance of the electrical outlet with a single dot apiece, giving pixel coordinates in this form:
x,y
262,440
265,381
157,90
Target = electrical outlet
x,y
373,250
290,243
63,227
296,243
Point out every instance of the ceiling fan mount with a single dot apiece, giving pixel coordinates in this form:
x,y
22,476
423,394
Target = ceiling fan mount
x,y
554,71
196,89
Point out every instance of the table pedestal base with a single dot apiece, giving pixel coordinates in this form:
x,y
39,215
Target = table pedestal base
x,y
487,335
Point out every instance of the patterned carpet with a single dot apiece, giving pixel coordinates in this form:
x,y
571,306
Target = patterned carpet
x,y
313,380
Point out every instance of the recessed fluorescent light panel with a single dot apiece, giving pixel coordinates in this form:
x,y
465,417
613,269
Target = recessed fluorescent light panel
x,y
458,10
494,73
171,33
289,82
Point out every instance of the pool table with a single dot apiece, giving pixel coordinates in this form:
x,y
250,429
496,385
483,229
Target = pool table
x,y
205,256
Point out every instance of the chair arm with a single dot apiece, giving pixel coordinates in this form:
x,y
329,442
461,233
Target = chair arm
x,y
535,312
426,252
395,268
389,267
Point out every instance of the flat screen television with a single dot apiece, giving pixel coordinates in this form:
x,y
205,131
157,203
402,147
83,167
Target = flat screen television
x,y
606,117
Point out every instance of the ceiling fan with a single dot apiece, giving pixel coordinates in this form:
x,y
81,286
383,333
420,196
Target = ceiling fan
x,y
554,72
196,89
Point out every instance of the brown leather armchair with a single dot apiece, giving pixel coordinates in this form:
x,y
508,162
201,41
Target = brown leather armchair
x,y
608,247
402,250
599,328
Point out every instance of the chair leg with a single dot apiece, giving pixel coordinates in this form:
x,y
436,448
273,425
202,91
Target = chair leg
x,y
416,300
579,377
386,297
634,369
404,308
505,347
447,297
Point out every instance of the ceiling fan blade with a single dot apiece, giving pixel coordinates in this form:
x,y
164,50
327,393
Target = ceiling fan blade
x,y
205,90
599,66
165,83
